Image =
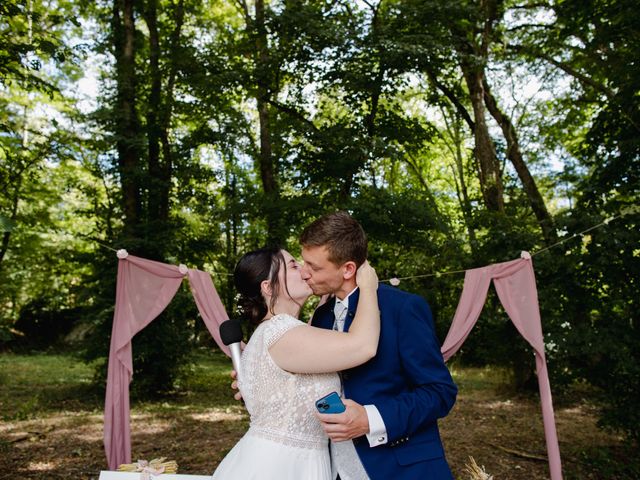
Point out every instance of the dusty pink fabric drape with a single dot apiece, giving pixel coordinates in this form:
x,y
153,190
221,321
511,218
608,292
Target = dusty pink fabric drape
x,y
209,305
516,287
144,289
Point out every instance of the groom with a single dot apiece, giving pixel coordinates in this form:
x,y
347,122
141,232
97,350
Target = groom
x,y
389,430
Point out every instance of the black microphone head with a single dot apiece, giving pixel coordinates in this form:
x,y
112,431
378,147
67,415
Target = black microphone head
x,y
231,332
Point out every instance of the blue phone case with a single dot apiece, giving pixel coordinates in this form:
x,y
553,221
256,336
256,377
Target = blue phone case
x,y
330,404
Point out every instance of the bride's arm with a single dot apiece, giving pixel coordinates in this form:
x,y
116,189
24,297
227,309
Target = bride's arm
x,y
318,350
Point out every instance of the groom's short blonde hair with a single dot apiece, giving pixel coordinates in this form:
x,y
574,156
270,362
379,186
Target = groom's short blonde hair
x,y
341,234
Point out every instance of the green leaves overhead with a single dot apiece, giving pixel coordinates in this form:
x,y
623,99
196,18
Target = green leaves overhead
x,y
456,132
6,224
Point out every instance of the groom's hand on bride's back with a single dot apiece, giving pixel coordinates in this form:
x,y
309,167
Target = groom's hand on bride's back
x,y
350,424
234,385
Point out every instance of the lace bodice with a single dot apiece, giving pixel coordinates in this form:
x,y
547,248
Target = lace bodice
x,y
281,404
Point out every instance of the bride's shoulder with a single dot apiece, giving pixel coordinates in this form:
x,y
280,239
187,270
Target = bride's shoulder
x,y
277,326
284,318
281,320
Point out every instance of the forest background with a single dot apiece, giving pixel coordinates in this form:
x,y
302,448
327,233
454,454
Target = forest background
x,y
458,134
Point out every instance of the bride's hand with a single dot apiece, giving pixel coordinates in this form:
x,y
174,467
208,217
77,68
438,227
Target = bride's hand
x,y
366,277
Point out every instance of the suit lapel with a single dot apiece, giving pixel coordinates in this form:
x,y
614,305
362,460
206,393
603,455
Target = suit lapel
x,y
323,317
353,305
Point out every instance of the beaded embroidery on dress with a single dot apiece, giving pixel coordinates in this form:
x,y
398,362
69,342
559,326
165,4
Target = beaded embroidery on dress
x,y
285,439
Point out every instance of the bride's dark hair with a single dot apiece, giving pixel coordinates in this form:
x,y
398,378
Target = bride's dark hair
x,y
252,269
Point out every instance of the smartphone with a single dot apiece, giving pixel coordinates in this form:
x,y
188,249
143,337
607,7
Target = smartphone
x,y
330,404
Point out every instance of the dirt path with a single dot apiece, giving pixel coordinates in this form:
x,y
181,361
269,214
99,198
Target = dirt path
x,y
506,435
503,434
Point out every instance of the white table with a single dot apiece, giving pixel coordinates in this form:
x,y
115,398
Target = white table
x,y
108,475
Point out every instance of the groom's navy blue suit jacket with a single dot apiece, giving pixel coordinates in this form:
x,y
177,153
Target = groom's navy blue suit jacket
x,y
407,381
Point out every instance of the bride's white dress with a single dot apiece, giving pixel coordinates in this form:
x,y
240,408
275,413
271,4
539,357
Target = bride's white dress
x,y
285,439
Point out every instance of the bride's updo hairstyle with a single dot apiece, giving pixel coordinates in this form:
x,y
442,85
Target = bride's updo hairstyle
x,y
254,268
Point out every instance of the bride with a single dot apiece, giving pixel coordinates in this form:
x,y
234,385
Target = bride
x,y
287,365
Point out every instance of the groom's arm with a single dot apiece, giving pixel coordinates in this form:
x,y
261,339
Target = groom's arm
x,y
357,420
430,392
429,395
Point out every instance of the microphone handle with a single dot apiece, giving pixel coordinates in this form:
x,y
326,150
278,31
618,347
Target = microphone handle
x,y
235,358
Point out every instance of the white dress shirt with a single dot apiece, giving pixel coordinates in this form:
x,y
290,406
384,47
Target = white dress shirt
x,y
344,458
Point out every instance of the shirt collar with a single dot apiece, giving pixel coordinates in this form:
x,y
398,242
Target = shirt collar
x,y
345,300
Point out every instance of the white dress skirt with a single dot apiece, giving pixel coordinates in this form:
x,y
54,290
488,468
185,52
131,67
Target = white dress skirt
x,y
255,457
285,440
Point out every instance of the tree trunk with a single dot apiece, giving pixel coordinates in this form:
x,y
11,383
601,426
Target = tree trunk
x,y
348,176
127,124
461,184
453,98
167,111
473,47
156,185
515,156
369,121
17,190
6,236
268,171
413,164
489,171
231,230
460,114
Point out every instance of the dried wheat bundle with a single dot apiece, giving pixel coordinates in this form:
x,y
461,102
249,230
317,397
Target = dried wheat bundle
x,y
155,466
476,472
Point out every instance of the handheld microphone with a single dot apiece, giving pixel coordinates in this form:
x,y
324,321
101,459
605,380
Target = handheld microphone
x,y
231,335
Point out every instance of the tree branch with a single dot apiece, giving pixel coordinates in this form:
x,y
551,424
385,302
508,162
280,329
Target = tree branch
x,y
291,111
453,99
582,78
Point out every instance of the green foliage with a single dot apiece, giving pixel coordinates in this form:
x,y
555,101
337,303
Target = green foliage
x,y
162,348
367,110
6,224
610,463
606,350
44,323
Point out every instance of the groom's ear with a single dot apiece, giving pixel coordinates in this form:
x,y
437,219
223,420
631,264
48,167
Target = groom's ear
x,y
350,269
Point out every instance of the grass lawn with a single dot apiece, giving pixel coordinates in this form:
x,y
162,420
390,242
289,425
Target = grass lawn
x,y
52,424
